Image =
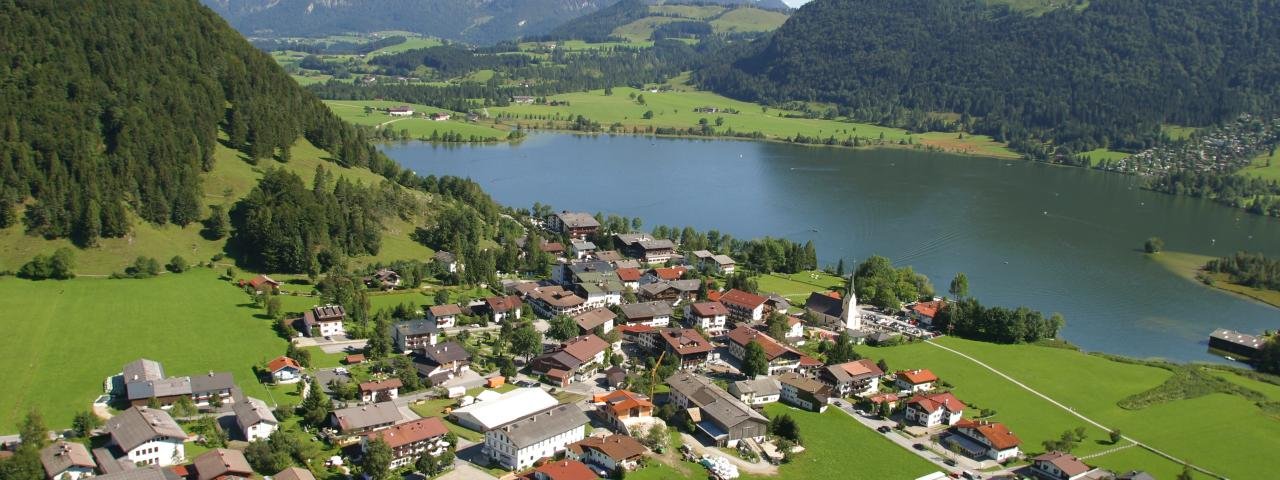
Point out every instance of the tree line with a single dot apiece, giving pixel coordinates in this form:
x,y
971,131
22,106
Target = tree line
x,y
1248,269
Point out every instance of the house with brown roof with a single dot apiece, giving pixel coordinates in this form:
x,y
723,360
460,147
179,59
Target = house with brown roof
x,y
923,312
561,470
365,418
67,460
600,317
380,391
919,380
222,464
551,301
294,473
743,307
575,360
711,317
264,284
715,413
445,316
146,436
324,321
577,225
411,440
1060,466
284,370
685,344
608,452
858,377
383,279
933,410
441,362
255,419
985,440
781,357
630,277
804,392
653,314
670,291
623,409
502,308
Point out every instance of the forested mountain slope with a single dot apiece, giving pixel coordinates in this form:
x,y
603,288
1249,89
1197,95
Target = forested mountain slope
x,y
1108,73
474,21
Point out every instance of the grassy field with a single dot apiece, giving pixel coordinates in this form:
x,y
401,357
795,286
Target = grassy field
x,y
1228,429
1098,155
748,20
642,29
676,109
410,43
832,438
797,287
1188,265
71,335
353,111
1265,166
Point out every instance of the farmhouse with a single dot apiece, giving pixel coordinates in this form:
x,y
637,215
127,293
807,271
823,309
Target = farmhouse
x,y
520,443
718,415
380,391
143,380
709,316
743,307
858,377
513,405
222,464
561,470
445,316
598,317
608,452
365,418
400,111
915,380
383,279
440,116
653,314
757,391
67,460
440,363
410,440
145,436
255,419
415,334
623,410
933,410
804,392
576,359
284,370
986,440
324,321
264,284
577,225
686,344
781,357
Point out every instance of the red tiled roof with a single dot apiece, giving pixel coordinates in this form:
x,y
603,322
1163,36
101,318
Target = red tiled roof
x,y
884,397
917,377
928,309
617,447
446,310
354,359
741,298
709,309
411,432
281,362
743,335
381,385
503,304
552,247
713,296
672,273
628,274
860,368
685,341
931,403
634,329
996,433
565,470
261,280
621,401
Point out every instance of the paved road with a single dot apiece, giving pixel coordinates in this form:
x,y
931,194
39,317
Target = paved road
x,y
1073,411
760,468
962,463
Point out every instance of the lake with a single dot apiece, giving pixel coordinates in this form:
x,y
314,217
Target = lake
x,y
1056,239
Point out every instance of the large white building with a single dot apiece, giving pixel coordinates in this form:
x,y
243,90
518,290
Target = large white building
x,y
511,406
147,436
518,444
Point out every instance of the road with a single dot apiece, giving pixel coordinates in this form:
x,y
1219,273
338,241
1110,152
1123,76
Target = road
x,y
1074,412
962,463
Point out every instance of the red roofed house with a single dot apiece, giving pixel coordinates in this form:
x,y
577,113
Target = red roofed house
x,y
284,370
630,277
353,359
710,316
781,357
743,306
852,378
562,470
923,312
933,410
684,343
554,248
264,284
502,308
411,440
1060,466
381,391
608,452
575,359
916,380
986,440
445,316
624,409
667,274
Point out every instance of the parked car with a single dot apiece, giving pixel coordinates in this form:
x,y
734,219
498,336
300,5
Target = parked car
x,y
951,462
884,429
918,446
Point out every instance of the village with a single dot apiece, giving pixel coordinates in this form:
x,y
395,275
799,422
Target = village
x,y
637,362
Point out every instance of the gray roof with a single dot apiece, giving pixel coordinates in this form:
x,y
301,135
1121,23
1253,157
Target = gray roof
x,y
365,416
446,352
630,238
691,285
107,462
582,245
221,461
1135,475
164,387
150,472
592,266
142,369
253,411
417,327
577,219
723,259
139,425
646,310
759,386
212,382
543,425
824,304
60,456
445,257
660,244
1237,338
716,404
294,473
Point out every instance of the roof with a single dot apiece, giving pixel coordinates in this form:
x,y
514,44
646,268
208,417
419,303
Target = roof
x,y
1135,475
856,370
534,428
381,385
931,403
365,416
511,406
928,309
646,310
577,219
703,254
565,470
411,432
353,359
281,362
996,434
328,313
672,273
803,383
164,387
1066,462
585,347
61,455
445,352
582,245
629,274
139,425
762,385
593,318
261,280
659,244
608,255
917,377
503,304
150,472
744,335
221,461
141,370
415,328
714,404
741,298
294,473
722,260
1238,338
212,382
824,304
445,257
251,412
558,297
445,310
685,341
622,400
551,247
616,447
709,309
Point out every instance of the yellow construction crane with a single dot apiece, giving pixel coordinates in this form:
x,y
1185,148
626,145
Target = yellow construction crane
x,y
653,374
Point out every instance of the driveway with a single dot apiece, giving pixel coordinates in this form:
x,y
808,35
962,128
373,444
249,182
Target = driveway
x,y
699,449
931,454
465,471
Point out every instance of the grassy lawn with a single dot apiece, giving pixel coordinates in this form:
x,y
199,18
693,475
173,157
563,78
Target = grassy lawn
x,y
1228,430
642,29
748,20
1098,155
797,286
1177,132
696,12
832,438
353,111
435,408
1187,265
1265,166
410,43
71,335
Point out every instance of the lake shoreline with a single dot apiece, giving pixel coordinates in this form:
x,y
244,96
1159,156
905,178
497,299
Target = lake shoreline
x,y
1190,265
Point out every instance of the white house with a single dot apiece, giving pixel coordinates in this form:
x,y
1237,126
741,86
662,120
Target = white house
x,y
517,445
987,440
511,406
147,436
608,452
653,314
916,380
324,321
285,370
711,317
502,308
724,264
255,419
743,307
380,391
67,460
757,391
401,111
445,316
934,410
1060,466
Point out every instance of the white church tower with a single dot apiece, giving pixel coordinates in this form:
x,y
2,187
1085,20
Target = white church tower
x,y
850,316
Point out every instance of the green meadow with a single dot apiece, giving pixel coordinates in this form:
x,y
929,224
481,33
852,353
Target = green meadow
x,y
796,287
748,20
417,126
1188,265
1265,166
